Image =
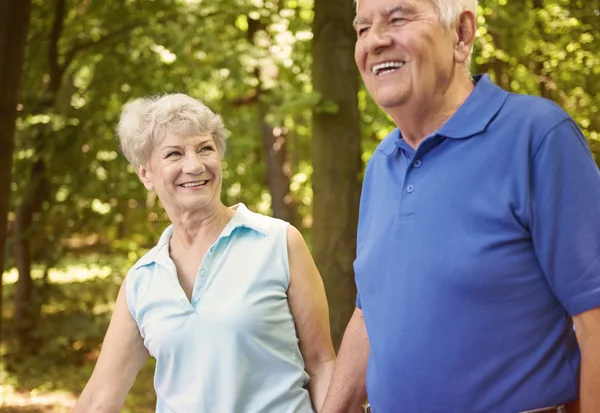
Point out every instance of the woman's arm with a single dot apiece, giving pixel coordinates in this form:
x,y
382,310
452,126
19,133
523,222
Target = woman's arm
x,y
122,356
308,303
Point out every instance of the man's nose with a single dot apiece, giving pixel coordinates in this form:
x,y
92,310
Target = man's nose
x,y
377,38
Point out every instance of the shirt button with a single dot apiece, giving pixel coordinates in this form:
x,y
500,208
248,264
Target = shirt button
x,y
410,188
202,272
417,163
196,299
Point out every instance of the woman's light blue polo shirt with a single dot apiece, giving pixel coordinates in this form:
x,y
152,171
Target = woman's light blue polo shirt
x,y
234,347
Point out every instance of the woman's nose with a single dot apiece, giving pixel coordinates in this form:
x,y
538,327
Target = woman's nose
x,y
193,163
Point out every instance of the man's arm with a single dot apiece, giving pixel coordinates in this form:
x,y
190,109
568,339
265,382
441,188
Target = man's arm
x,y
347,391
587,328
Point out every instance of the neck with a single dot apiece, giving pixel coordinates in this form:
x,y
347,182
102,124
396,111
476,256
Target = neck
x,y
420,118
192,226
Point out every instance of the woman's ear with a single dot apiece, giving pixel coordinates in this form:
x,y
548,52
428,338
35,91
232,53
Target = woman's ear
x,y
145,176
466,31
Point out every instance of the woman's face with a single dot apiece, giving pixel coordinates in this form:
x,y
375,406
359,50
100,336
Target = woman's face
x,y
185,172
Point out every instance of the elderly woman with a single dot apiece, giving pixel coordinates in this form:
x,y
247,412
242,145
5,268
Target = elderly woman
x,y
229,302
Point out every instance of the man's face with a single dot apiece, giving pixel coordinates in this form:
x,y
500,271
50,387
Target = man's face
x,y
403,53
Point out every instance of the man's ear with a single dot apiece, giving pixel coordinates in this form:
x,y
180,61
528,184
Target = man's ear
x,y
145,177
465,31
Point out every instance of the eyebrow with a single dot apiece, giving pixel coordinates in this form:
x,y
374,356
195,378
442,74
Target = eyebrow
x,y
402,8
181,146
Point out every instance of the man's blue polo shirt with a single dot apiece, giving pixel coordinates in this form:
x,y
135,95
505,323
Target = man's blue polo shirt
x,y
473,251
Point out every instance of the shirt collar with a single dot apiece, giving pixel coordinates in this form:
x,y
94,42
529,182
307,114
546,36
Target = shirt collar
x,y
242,218
471,118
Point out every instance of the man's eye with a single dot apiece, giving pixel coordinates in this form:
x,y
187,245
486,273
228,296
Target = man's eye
x,y
362,31
398,20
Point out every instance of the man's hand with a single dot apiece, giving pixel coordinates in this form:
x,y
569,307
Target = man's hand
x,y
347,391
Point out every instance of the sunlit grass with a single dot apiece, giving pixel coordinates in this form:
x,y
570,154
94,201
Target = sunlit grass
x,y
77,269
73,273
14,401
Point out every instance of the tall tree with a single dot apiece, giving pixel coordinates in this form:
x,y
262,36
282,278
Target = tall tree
x,y
14,21
336,156
37,191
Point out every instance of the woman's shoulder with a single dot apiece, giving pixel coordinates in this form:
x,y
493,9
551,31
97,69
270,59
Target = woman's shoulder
x,y
260,222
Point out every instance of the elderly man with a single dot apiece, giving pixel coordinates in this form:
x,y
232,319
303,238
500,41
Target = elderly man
x,y
478,257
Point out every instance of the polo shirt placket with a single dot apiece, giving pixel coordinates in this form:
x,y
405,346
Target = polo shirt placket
x,y
409,164
203,275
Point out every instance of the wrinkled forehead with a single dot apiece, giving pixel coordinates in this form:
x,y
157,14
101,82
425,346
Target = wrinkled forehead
x,y
388,6
368,9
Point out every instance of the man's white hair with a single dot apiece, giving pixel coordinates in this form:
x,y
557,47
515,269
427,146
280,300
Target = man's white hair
x,y
144,123
450,10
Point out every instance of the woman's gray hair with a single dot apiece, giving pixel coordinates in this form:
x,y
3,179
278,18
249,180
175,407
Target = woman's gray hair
x,y
145,122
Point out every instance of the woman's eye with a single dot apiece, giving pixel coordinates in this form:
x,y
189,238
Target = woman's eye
x,y
172,154
206,149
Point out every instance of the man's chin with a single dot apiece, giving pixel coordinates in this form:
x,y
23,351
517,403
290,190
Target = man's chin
x,y
387,103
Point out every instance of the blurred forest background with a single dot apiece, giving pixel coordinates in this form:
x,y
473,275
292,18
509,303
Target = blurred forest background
x,y
281,73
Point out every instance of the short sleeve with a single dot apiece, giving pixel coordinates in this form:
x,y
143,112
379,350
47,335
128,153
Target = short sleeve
x,y
565,226
130,292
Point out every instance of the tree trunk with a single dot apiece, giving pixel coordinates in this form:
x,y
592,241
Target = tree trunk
x,y
278,172
14,21
23,227
336,157
37,189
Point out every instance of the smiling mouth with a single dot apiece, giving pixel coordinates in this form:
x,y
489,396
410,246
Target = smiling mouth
x,y
195,184
386,68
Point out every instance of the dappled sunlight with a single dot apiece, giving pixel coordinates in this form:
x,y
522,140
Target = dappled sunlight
x,y
73,273
14,401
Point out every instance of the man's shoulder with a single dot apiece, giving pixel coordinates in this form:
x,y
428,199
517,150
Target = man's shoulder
x,y
535,110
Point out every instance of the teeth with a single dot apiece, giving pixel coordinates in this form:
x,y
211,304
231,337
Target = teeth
x,y
380,69
193,184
